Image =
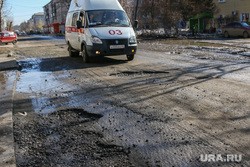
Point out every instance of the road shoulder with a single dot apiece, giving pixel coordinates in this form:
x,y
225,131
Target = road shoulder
x,y
7,84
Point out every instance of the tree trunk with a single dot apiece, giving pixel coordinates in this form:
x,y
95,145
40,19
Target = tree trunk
x,y
1,11
0,21
2,2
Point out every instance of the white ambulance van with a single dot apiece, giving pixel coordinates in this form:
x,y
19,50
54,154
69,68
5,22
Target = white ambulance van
x,y
99,28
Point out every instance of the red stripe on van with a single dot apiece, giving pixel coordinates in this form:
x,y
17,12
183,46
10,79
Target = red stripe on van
x,y
74,29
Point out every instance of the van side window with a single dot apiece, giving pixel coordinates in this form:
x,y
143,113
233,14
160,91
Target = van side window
x,y
81,18
68,21
74,19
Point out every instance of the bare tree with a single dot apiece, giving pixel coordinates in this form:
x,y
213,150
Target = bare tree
x,y
5,15
168,14
25,26
191,8
2,2
151,13
172,14
22,26
39,25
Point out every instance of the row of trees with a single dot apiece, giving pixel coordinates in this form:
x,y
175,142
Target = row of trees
x,y
5,17
151,13
166,13
30,27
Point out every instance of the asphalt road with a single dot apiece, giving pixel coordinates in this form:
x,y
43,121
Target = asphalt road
x,y
179,103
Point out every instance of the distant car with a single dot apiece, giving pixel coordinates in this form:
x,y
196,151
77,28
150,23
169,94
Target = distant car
x,y
236,29
8,37
23,33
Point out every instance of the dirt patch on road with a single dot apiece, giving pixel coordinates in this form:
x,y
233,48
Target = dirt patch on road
x,y
67,137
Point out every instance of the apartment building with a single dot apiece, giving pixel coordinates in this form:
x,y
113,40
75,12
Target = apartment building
x,y
232,10
36,22
55,13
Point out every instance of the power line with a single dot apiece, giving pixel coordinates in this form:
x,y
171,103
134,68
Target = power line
x,y
24,6
18,16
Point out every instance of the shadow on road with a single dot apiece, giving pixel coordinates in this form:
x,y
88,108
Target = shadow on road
x,y
64,63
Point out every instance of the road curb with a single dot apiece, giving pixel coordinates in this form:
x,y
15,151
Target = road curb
x,y
7,153
8,63
7,84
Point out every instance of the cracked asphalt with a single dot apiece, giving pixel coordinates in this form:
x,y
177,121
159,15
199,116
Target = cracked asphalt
x,y
177,102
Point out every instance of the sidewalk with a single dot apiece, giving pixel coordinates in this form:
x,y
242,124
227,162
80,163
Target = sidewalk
x,y
7,85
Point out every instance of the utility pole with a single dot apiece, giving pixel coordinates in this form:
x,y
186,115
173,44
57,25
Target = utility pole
x,y
136,9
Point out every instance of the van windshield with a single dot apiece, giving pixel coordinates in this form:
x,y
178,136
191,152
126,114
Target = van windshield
x,y
107,18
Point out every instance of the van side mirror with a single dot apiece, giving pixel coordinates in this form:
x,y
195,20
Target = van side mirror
x,y
135,24
79,24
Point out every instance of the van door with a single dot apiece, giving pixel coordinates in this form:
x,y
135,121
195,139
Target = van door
x,y
73,39
81,33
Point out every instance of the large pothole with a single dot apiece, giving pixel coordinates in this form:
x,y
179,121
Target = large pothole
x,y
67,137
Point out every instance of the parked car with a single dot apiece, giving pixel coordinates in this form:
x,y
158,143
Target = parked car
x,y
8,37
236,29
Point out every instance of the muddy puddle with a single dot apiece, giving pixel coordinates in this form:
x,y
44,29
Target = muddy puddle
x,y
42,87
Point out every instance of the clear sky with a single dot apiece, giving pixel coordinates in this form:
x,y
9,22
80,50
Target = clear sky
x,y
22,10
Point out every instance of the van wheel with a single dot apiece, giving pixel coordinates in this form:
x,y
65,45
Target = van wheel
x,y
72,52
245,34
130,57
85,55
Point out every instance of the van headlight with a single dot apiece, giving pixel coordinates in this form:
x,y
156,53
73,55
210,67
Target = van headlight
x,y
132,40
96,40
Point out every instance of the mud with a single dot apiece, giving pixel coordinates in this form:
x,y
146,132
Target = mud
x,y
175,102
65,138
137,73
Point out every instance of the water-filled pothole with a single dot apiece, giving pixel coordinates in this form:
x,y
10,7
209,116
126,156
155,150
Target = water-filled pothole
x,y
29,65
